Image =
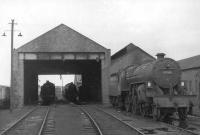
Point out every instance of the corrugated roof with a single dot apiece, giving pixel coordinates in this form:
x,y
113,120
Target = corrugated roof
x,y
62,39
192,62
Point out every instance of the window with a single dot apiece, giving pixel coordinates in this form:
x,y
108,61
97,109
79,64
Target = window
x,y
196,86
190,87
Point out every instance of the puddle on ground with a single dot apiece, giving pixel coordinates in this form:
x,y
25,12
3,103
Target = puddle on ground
x,y
148,131
164,129
191,128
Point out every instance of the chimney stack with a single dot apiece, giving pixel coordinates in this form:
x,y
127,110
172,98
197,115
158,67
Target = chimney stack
x,y
160,56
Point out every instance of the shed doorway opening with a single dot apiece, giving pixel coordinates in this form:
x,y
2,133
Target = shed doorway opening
x,y
88,70
58,80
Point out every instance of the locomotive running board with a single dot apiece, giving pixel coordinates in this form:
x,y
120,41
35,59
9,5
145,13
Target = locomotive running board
x,y
174,101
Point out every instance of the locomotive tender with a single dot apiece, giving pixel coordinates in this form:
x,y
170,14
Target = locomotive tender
x,y
152,89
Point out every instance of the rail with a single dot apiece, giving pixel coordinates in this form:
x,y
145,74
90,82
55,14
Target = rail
x,y
182,129
93,122
16,122
130,126
44,122
188,132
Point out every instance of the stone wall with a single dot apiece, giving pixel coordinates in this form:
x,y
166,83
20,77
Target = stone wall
x,y
17,94
105,77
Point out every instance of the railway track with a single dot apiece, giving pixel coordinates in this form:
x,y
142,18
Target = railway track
x,y
192,124
194,120
105,123
150,127
186,127
93,127
35,122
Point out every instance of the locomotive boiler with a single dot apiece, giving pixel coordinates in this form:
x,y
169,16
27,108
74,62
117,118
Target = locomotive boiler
x,y
153,88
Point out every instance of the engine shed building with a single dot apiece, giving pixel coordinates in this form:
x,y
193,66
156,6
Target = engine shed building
x,y
61,50
127,56
191,76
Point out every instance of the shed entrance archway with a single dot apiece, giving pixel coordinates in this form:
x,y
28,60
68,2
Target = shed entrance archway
x,y
89,69
61,50
57,80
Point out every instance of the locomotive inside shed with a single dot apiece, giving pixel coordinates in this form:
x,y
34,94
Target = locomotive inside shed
x,y
90,70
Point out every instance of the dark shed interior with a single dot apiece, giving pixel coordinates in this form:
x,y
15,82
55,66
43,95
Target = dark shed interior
x,y
89,69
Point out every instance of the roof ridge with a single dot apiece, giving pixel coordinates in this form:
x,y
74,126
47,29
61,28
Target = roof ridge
x,y
83,35
125,48
38,37
189,58
44,42
189,63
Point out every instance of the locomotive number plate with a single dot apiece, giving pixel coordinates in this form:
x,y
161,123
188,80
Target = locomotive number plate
x,y
167,72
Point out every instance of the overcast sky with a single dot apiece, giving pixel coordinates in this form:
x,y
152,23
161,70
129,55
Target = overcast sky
x,y
169,26
56,79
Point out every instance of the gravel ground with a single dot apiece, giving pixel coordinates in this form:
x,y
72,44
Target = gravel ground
x,y
7,117
196,110
68,120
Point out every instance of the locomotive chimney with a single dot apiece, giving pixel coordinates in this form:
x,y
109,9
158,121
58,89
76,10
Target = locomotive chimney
x,y
160,56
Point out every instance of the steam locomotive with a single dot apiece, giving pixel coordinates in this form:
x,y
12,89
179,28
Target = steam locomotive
x,y
152,89
71,93
47,93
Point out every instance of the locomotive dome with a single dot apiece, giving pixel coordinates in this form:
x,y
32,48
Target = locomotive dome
x,y
166,72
